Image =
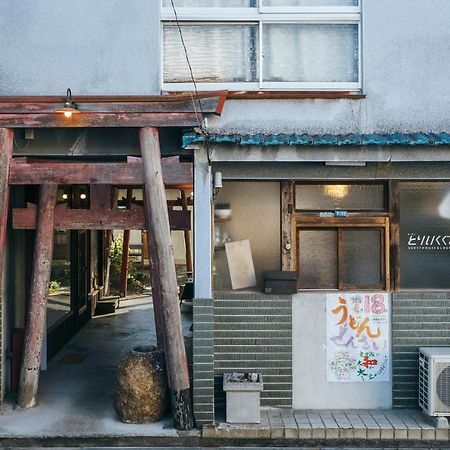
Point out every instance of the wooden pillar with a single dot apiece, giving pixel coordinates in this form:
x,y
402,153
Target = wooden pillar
x,y
125,251
187,236
37,312
6,146
287,238
394,216
164,279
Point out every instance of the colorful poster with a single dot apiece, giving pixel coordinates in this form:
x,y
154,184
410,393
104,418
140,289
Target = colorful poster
x,y
358,337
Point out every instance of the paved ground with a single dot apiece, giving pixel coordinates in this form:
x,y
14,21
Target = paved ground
x,y
392,424
75,400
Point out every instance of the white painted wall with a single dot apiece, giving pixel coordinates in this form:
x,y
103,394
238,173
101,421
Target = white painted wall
x,y
406,44
93,47
310,387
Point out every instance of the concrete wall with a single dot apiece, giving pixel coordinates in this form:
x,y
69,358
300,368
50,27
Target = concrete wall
x,y
255,216
310,387
102,47
405,76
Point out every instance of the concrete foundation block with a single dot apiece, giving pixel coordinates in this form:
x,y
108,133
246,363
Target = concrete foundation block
x,y
332,433
360,433
441,434
242,400
291,433
428,434
415,434
208,431
277,433
304,433
373,433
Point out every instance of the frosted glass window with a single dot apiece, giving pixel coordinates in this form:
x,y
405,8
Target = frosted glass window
x,y
209,3
218,53
362,257
310,53
331,197
425,235
318,259
309,2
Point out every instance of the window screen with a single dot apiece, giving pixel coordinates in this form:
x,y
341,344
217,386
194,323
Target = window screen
x,y
425,235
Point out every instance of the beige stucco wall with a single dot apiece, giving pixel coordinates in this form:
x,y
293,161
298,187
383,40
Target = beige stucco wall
x,y
255,216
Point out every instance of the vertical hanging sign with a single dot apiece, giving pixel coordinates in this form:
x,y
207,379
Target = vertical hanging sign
x,y
358,340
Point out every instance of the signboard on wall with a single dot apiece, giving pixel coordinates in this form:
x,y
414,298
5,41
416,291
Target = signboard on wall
x,y
358,337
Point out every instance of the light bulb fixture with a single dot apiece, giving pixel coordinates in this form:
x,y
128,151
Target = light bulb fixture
x,y
70,107
65,196
83,196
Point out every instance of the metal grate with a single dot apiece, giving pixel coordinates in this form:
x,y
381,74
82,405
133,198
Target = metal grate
x,y
423,381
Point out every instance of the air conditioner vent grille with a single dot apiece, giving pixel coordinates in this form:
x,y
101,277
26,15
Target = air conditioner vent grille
x,y
423,381
443,387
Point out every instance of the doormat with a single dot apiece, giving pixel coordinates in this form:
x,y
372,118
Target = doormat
x,y
73,358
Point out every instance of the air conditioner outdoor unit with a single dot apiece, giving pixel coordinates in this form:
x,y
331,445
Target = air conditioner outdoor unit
x,y
434,380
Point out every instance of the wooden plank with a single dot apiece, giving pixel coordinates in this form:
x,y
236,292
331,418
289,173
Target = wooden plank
x,y
37,312
208,106
175,174
96,120
125,251
171,98
98,219
287,240
101,196
187,236
394,244
6,146
164,276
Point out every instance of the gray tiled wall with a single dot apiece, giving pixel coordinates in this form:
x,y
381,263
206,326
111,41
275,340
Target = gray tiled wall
x,y
418,320
253,333
203,361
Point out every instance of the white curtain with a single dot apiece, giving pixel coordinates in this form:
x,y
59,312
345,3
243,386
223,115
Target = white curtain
x,y
309,2
217,53
208,3
310,53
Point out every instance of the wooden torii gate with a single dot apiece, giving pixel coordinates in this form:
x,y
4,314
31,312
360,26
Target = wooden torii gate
x,y
147,114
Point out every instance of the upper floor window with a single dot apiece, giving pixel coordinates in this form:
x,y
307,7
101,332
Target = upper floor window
x,y
262,44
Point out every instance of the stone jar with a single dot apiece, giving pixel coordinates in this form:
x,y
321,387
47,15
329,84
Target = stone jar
x,y
142,394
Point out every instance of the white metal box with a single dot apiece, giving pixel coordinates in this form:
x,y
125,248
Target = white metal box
x,y
434,380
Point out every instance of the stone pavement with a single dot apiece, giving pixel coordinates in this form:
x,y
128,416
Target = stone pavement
x,y
75,399
284,423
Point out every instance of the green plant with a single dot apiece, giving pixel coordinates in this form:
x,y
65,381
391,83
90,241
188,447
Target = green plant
x,y
53,287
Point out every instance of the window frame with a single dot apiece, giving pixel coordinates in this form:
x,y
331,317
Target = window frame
x,y
309,222
333,15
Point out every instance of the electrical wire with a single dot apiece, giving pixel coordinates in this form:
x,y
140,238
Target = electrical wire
x,y
183,43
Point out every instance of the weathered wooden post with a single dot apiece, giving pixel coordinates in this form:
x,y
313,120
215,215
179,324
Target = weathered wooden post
x,y
162,263
187,236
37,312
125,251
6,146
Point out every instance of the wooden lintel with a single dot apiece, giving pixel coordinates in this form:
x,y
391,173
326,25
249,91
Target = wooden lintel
x,y
97,219
96,120
208,106
175,174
